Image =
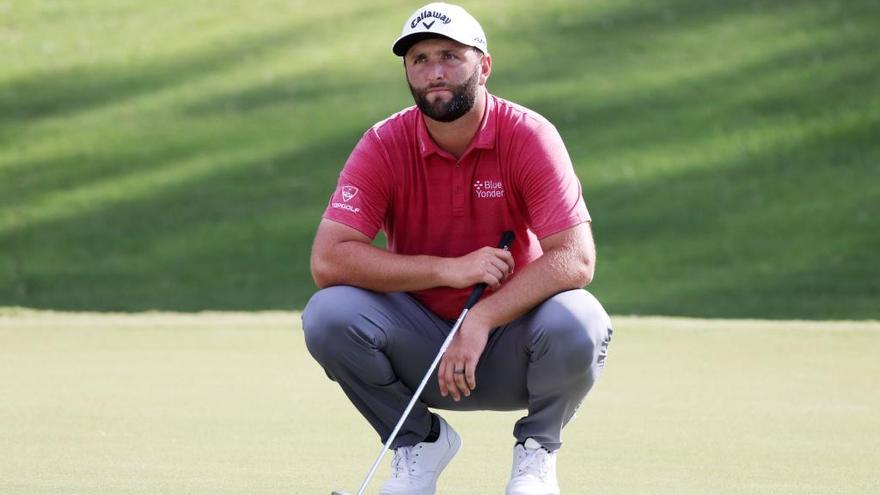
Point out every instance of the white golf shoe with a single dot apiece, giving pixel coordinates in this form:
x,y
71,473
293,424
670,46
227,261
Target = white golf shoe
x,y
534,470
414,470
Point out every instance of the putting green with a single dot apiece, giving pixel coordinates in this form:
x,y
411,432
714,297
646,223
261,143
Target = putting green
x,y
232,403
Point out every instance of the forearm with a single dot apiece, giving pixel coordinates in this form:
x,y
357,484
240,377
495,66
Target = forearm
x,y
557,270
364,265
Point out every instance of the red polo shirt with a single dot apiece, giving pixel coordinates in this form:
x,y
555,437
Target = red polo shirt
x,y
516,175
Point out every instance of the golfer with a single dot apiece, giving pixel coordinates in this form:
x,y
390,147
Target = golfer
x,y
443,179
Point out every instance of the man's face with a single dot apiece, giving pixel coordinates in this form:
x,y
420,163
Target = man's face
x,y
443,76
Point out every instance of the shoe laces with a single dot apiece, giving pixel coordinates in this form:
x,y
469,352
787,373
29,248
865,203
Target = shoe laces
x,y
404,461
534,462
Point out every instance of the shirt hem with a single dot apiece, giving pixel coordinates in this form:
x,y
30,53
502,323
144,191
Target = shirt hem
x,y
353,225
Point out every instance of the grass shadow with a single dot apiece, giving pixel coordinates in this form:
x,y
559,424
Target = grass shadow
x,y
725,180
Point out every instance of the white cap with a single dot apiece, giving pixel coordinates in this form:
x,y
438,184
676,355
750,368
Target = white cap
x,y
440,20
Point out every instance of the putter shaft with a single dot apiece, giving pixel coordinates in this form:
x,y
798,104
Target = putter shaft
x,y
412,401
506,240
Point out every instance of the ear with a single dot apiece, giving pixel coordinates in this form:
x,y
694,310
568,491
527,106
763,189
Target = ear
x,y
486,68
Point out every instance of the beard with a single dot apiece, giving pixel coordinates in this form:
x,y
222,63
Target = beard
x,y
463,97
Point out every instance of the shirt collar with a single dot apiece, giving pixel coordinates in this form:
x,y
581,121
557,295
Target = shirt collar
x,y
484,139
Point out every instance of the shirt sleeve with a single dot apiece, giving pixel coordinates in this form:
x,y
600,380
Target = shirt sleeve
x,y
551,191
363,194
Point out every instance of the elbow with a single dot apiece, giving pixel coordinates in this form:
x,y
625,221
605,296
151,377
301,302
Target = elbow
x,y
574,268
587,274
583,275
321,272
586,269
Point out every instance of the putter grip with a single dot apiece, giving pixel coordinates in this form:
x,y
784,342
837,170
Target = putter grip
x,y
504,243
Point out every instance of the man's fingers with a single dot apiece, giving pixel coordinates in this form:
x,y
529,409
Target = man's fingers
x,y
482,266
493,277
453,388
507,258
449,378
471,376
493,281
457,370
501,266
503,262
455,384
503,256
441,377
461,385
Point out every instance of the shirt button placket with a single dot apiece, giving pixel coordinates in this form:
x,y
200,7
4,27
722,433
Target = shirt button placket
x,y
458,191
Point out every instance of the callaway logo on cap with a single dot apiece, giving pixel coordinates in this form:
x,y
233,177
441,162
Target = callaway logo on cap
x,y
440,20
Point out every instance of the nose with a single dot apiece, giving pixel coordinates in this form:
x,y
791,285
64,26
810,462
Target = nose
x,y
436,72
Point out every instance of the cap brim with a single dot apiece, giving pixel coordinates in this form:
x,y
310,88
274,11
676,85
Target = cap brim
x,y
403,44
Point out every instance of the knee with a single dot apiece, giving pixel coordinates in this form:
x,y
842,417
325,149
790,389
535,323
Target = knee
x,y
328,319
577,329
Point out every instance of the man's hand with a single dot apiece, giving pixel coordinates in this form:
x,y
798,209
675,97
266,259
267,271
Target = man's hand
x,y
462,355
486,265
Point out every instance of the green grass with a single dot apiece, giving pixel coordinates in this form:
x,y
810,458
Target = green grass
x,y
232,403
177,155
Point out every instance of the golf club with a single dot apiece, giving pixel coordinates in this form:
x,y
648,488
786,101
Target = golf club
x,y
506,240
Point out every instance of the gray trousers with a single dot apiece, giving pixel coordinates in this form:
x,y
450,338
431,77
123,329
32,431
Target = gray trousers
x,y
378,346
